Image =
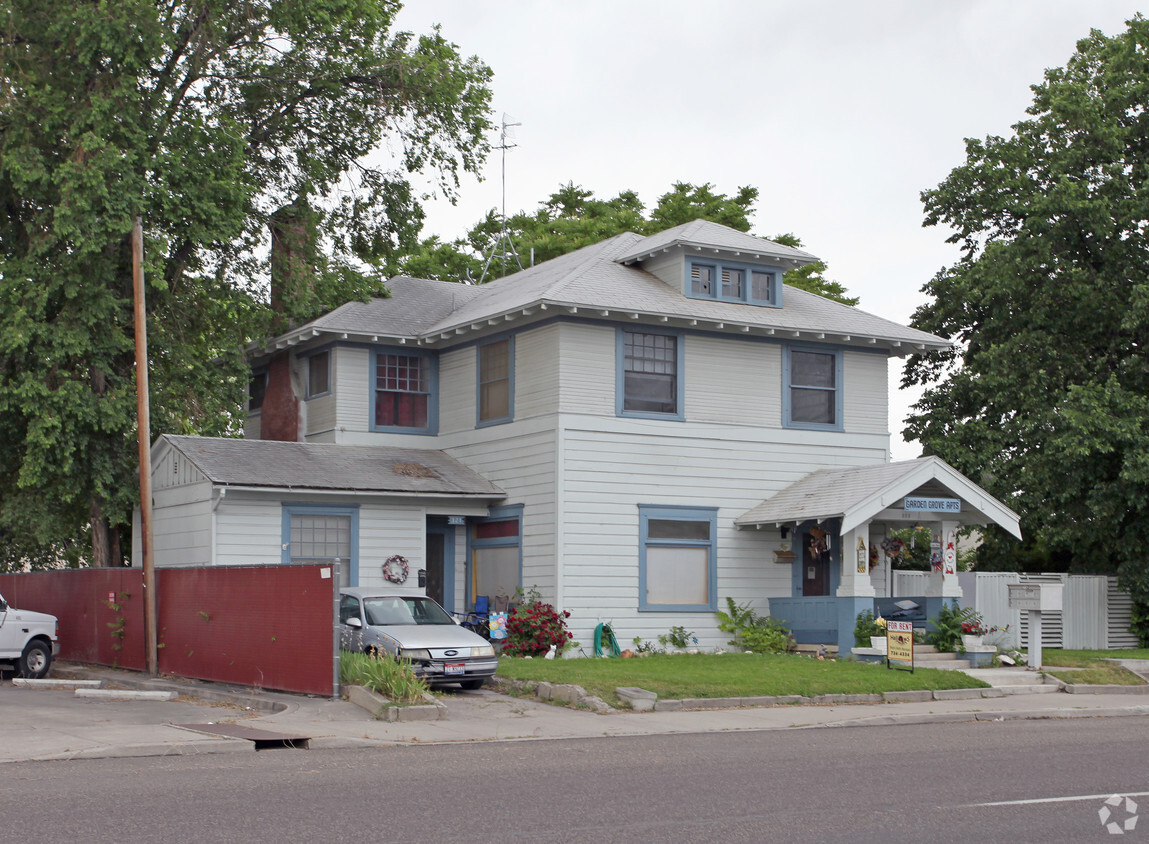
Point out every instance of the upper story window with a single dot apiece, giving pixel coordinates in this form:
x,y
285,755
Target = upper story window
x,y
256,390
725,281
405,392
812,388
496,381
649,376
319,374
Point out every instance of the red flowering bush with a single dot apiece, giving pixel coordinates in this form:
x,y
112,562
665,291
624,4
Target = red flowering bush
x,y
532,628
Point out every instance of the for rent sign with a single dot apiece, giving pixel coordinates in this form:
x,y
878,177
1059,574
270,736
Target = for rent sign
x,y
900,641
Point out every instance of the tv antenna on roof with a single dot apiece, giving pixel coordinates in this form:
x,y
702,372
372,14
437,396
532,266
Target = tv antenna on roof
x,y
504,243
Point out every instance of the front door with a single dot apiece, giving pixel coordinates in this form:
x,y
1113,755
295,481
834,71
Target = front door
x,y
436,557
815,566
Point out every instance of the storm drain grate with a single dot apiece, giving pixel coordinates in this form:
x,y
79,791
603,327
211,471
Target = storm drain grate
x,y
262,739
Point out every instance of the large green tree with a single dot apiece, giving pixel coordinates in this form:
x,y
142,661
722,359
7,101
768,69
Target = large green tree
x,y
202,119
573,217
1045,398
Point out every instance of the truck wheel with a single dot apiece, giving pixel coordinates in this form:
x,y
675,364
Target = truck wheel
x,y
35,661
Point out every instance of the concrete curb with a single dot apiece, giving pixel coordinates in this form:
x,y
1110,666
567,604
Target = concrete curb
x,y
20,682
382,709
125,694
895,719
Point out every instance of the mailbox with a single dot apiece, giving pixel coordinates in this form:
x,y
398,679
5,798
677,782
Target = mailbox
x,y
1040,597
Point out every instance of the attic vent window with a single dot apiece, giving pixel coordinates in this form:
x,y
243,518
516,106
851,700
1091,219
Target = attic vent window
x,y
729,281
414,470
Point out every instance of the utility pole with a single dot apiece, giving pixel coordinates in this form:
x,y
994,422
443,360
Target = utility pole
x,y
144,428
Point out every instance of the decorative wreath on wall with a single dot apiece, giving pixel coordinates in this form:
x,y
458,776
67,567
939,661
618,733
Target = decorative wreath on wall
x,y
396,569
892,547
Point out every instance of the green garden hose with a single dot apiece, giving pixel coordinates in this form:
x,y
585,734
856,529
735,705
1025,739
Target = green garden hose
x,y
605,643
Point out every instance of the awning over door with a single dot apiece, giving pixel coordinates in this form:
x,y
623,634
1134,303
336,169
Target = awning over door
x,y
878,494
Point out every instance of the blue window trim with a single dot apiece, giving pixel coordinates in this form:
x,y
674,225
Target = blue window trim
x,y
501,420
351,510
330,364
717,265
646,512
432,359
503,513
679,414
787,422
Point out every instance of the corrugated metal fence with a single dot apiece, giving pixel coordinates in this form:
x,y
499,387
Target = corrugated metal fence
x,y
270,627
1096,614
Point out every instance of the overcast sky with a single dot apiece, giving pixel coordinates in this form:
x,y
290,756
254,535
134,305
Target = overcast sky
x,y
840,112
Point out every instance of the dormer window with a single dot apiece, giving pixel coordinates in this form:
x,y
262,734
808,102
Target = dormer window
x,y
727,281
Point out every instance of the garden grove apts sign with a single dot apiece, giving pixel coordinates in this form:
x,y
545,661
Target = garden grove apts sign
x,y
932,505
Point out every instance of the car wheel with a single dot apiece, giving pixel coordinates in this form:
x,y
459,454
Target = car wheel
x,y
35,661
471,685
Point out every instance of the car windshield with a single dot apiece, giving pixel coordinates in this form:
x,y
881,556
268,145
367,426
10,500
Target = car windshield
x,y
395,609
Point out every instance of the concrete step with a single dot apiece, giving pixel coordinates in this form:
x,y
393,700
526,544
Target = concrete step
x,y
952,664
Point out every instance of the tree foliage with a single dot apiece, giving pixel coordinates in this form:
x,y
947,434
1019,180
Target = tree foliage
x,y
573,217
1045,398
202,119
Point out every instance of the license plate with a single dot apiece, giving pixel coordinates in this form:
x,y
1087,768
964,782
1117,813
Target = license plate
x,y
454,668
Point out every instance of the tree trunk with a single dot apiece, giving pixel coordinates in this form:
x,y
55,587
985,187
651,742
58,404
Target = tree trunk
x,y
101,541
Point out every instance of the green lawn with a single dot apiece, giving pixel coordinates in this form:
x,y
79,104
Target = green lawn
x,y
674,676
1092,667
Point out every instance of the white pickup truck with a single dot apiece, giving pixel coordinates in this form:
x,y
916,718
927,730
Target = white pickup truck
x,y
28,640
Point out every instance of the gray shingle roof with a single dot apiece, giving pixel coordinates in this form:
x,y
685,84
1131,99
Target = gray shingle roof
x,y
858,493
593,280
355,468
414,304
708,235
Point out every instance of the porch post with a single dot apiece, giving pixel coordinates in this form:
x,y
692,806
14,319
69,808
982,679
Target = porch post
x,y
944,583
855,590
855,556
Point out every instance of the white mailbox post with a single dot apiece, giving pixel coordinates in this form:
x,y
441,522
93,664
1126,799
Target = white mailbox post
x,y
1036,598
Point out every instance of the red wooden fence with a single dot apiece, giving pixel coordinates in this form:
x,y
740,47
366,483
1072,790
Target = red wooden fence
x,y
269,627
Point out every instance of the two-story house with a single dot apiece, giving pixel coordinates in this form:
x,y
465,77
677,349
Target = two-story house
x,y
637,430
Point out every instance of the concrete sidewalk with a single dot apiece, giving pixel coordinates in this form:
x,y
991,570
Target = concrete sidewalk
x,y
53,723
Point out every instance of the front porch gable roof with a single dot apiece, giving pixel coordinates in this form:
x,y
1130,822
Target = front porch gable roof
x,y
859,494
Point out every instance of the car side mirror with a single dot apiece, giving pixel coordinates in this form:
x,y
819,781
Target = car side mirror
x,y
3,605
354,622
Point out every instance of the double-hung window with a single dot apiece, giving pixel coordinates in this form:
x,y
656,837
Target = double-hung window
x,y
319,374
812,388
727,281
405,392
496,399
678,558
649,376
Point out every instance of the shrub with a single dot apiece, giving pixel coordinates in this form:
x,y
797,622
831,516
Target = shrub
x,y
678,637
752,632
534,626
946,636
379,671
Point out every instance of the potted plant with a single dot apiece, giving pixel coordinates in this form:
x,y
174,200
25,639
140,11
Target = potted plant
x,y
972,632
870,631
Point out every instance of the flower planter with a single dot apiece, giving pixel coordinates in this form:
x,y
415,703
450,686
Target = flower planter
x,y
971,641
878,643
